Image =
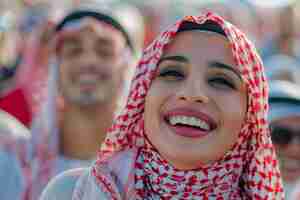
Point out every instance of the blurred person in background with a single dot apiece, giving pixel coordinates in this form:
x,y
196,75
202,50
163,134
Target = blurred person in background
x,y
89,54
17,105
13,137
282,37
92,52
7,37
12,100
31,27
283,67
284,117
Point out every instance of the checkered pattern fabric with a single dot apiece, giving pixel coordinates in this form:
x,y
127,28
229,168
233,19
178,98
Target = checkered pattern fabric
x,y
248,171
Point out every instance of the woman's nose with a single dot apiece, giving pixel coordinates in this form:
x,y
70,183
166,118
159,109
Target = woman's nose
x,y
198,98
193,90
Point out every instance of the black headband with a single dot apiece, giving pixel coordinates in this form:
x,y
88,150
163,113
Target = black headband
x,y
76,15
209,25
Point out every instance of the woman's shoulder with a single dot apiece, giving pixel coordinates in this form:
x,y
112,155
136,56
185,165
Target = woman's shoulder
x,y
62,186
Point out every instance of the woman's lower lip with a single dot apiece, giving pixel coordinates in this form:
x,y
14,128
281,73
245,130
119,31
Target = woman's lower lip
x,y
189,132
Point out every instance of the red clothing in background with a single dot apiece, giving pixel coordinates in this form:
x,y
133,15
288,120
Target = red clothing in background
x,y
16,104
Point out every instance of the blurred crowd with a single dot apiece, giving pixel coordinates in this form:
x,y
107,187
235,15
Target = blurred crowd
x,y
32,111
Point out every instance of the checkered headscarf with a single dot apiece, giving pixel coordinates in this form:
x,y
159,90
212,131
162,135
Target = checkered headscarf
x,y
248,171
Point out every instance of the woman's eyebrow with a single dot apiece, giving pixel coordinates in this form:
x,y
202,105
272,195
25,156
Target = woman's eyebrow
x,y
178,58
216,64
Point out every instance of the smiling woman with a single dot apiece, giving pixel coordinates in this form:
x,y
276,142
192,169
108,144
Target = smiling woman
x,y
197,102
194,126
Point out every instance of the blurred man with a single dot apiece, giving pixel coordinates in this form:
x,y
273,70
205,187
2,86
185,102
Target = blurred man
x,y
91,58
285,129
91,53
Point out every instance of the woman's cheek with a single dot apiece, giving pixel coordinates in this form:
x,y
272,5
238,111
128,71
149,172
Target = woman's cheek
x,y
232,108
160,90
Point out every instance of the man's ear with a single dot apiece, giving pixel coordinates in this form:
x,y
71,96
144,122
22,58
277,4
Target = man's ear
x,y
60,102
60,97
126,65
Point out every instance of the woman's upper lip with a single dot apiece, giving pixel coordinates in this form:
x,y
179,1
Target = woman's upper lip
x,y
190,112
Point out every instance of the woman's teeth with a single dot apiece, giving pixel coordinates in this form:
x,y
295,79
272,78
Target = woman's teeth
x,y
189,121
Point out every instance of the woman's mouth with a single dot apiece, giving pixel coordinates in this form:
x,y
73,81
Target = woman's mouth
x,y
189,123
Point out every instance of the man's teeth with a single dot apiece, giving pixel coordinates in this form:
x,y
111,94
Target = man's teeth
x,y
88,78
189,121
89,75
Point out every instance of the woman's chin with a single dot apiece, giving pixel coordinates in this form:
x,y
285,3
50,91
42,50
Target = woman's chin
x,y
182,164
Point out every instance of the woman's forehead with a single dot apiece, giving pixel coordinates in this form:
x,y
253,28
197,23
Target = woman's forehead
x,y
197,44
197,38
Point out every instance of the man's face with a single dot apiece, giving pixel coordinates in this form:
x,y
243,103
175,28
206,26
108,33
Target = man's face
x,y
90,64
286,138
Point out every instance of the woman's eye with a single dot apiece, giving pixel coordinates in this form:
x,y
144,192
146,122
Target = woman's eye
x,y
171,74
221,83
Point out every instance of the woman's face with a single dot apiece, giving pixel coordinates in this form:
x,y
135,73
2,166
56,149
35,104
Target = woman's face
x,y
197,103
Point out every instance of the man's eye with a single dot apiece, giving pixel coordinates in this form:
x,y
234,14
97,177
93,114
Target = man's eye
x,y
105,53
221,83
75,50
171,74
72,51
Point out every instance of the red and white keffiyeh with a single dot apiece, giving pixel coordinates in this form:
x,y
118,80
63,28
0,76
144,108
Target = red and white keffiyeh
x,y
248,171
